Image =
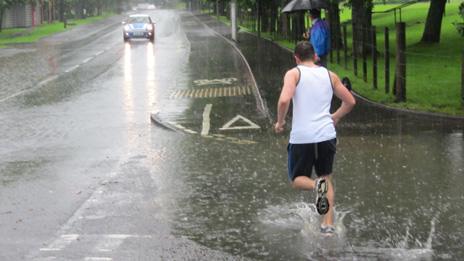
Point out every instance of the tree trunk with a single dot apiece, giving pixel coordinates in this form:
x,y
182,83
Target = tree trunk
x,y
258,17
432,29
274,15
1,19
298,25
362,22
334,22
61,10
264,16
222,6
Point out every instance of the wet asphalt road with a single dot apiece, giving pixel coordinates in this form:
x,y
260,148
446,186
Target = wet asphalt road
x,y
87,175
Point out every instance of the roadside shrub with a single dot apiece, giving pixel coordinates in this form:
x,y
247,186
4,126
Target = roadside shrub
x,y
460,26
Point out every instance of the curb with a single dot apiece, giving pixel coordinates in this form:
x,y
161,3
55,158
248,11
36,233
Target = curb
x,y
156,119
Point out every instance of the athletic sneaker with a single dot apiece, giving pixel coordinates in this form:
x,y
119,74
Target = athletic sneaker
x,y
327,230
322,203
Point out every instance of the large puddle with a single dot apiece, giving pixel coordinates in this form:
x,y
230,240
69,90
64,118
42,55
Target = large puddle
x,y
397,179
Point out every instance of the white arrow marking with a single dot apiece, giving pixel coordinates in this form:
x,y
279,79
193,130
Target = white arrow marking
x,y
251,125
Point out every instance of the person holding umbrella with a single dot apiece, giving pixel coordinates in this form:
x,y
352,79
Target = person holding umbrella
x,y
319,36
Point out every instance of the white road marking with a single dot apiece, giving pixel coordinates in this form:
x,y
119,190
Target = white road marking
x,y
182,127
110,242
87,60
206,120
72,68
251,125
40,84
98,259
61,242
48,79
225,81
100,52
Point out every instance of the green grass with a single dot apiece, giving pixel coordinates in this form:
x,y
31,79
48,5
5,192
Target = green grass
x,y
31,35
433,70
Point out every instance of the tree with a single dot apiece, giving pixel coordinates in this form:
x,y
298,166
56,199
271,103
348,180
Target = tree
x,y
361,14
432,28
334,23
6,4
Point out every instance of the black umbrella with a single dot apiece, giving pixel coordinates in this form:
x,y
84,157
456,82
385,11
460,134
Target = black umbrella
x,y
304,5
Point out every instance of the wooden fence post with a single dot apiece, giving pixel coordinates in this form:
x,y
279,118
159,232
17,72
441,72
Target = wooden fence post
x,y
345,46
374,57
400,62
355,53
364,52
337,44
387,61
462,79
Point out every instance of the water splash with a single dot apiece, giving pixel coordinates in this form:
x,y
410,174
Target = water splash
x,y
302,218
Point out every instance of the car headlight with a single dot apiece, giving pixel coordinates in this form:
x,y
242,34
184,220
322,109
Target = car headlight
x,y
126,27
149,27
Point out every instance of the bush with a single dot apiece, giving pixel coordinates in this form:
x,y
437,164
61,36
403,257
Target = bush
x,y
460,26
461,10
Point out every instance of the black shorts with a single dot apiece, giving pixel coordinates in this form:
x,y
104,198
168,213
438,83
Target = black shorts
x,y
303,157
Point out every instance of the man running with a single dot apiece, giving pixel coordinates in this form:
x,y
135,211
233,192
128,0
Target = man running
x,y
313,137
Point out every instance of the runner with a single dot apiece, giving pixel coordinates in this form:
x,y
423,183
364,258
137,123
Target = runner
x,y
313,137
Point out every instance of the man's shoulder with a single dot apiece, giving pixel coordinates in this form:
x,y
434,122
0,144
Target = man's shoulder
x,y
293,71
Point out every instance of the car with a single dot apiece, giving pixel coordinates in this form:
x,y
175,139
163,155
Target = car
x,y
145,6
139,26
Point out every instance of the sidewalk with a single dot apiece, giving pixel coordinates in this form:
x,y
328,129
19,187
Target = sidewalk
x,y
25,66
84,32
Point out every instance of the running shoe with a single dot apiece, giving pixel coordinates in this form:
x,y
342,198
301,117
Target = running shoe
x,y
322,203
327,230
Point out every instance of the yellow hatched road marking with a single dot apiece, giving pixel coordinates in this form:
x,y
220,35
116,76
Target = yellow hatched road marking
x,y
212,92
192,93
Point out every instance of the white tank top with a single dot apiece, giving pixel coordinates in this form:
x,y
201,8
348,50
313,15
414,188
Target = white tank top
x,y
312,121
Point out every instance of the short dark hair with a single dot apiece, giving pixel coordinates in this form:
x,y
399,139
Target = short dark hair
x,y
304,51
315,13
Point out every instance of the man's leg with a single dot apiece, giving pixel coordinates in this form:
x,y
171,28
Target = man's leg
x,y
329,217
303,183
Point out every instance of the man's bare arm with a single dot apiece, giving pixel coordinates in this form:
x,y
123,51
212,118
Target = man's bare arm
x,y
288,90
348,101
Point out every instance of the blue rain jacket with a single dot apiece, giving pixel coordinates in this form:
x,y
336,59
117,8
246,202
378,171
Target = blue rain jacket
x,y
320,37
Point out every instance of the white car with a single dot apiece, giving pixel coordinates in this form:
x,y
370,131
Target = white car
x,y
139,26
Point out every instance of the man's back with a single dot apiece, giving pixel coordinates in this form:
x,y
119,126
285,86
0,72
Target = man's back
x,y
312,121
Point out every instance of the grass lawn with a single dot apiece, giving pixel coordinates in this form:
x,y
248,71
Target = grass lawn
x,y
433,70
31,35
